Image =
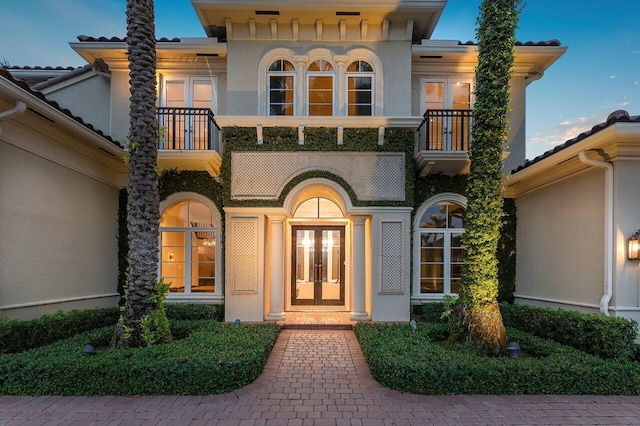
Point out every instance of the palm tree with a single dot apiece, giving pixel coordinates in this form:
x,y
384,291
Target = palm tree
x,y
141,300
478,314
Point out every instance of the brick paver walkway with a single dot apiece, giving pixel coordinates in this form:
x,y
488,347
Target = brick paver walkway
x,y
319,377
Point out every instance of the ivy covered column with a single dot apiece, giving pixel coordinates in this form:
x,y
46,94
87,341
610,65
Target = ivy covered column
x,y
276,247
358,275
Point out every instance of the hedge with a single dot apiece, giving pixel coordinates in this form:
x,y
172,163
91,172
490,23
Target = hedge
x,y
17,336
606,337
414,362
213,358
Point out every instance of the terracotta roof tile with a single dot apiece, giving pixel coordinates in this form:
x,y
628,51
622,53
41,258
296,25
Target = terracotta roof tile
x,y
84,38
60,78
619,116
38,68
24,86
554,42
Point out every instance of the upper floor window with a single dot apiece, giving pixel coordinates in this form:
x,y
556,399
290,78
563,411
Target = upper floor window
x,y
281,81
320,88
360,88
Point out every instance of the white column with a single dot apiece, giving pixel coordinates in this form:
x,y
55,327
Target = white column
x,y
276,247
358,276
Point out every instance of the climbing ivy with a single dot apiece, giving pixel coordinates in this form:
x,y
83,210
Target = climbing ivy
x,y
237,139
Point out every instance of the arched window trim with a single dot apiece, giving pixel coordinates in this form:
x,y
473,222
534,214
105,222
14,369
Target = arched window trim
x,y
216,296
301,63
449,197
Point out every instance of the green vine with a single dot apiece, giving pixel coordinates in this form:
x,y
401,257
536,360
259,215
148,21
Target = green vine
x,y
275,139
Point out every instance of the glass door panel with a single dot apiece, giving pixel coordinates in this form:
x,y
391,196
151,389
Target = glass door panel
x,y
305,266
318,265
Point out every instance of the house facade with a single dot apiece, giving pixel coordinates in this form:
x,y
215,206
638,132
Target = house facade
x,y
312,160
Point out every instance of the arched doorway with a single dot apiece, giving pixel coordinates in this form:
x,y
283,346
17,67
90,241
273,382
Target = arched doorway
x,y
318,247
318,255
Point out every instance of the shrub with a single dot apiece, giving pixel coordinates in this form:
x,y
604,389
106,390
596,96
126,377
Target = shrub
x,y
606,337
17,336
212,358
194,311
414,362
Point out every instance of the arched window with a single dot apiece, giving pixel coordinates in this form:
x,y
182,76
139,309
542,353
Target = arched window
x,y
440,254
360,88
281,81
318,208
320,88
188,248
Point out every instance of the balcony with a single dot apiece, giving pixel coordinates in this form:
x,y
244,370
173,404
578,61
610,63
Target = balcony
x,y
188,139
443,140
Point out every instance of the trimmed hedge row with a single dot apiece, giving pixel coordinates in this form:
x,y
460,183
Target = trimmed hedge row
x,y
413,362
17,336
606,337
213,358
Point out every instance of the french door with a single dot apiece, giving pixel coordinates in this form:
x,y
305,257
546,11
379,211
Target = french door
x,y
448,103
317,276
188,100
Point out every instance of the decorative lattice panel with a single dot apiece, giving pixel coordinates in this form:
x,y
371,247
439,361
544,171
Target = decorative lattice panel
x,y
245,257
391,258
372,175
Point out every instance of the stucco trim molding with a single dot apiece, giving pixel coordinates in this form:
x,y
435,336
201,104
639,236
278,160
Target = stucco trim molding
x,y
58,301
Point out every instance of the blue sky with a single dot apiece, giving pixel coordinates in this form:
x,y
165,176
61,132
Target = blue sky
x,y
600,72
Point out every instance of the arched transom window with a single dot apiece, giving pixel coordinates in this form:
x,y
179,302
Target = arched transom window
x,y
188,248
318,208
441,255
281,81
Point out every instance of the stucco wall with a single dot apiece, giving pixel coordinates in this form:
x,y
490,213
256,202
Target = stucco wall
x,y
89,99
58,236
627,220
560,241
244,57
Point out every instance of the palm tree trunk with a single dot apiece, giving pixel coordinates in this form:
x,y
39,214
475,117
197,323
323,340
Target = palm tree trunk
x,y
478,314
143,201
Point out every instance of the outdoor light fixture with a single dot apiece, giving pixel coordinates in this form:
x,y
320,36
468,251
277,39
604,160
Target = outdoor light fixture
x,y
634,249
514,349
89,350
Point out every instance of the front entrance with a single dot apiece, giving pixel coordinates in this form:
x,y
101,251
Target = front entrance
x,y
317,276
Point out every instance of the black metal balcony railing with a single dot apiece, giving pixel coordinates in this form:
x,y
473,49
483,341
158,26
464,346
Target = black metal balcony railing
x,y
187,129
445,130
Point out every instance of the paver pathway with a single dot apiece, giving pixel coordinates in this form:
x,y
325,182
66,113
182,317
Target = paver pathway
x,y
319,377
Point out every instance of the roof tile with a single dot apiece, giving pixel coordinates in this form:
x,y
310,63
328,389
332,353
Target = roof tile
x,y
24,86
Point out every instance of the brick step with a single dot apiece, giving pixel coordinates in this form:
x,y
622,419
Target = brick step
x,y
289,326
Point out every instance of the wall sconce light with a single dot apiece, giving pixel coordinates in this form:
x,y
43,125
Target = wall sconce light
x,y
634,247
170,256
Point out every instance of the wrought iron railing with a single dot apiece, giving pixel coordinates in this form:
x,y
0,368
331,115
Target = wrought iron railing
x,y
445,130
187,129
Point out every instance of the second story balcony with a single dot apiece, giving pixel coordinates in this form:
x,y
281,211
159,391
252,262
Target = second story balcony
x,y
189,139
443,139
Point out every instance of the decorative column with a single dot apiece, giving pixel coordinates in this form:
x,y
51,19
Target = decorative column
x,y
358,276
276,247
301,84
341,89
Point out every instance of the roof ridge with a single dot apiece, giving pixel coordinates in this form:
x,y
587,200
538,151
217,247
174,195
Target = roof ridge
x,y
55,80
617,116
